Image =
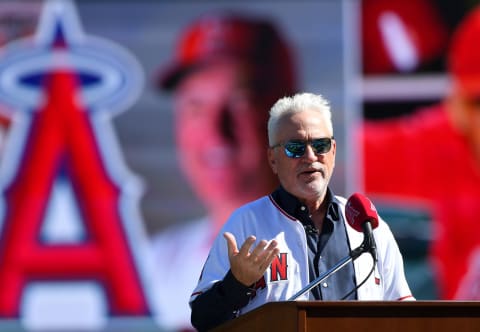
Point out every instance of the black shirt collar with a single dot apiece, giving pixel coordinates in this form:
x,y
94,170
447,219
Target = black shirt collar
x,y
293,207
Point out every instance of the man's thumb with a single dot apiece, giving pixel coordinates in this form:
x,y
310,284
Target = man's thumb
x,y
231,243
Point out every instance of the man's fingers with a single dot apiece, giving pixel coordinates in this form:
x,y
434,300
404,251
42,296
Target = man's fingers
x,y
245,249
261,256
271,252
247,264
273,244
262,250
231,243
259,251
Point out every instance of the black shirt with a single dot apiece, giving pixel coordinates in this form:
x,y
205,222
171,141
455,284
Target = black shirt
x,y
326,247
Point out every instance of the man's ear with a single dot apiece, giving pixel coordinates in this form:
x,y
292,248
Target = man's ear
x,y
334,147
271,160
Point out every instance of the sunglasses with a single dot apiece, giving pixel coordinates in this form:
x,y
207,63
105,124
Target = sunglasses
x,y
297,148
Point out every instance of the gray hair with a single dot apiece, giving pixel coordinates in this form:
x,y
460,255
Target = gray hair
x,y
298,103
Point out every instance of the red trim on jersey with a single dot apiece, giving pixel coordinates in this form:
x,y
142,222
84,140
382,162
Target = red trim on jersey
x,y
281,210
404,298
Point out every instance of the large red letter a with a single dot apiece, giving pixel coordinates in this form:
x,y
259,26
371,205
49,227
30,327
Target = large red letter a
x,y
61,137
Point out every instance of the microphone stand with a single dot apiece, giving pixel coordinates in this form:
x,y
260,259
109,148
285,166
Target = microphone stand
x,y
368,245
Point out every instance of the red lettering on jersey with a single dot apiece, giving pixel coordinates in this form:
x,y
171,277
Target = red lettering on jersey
x,y
279,267
260,284
61,135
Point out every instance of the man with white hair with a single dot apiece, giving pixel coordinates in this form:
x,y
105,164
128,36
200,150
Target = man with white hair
x,y
296,233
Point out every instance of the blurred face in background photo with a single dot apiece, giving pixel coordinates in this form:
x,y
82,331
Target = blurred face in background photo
x,y
226,73
220,125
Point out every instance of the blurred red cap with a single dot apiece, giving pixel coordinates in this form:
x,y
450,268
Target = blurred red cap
x,y
464,54
225,34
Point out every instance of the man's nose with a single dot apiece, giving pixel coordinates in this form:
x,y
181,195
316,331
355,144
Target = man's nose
x,y
309,153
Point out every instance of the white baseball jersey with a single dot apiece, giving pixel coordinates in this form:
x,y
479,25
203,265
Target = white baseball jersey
x,y
290,272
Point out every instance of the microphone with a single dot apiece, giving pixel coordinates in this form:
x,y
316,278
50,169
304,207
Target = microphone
x,y
363,217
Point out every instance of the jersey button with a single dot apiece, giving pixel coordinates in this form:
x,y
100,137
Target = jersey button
x,y
325,285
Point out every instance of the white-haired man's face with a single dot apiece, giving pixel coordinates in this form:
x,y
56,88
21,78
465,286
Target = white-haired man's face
x,y
308,175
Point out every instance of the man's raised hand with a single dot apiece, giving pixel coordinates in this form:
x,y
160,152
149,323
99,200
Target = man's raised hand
x,y
247,265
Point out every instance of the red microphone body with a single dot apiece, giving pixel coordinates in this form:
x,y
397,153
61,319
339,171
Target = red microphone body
x,y
363,217
359,210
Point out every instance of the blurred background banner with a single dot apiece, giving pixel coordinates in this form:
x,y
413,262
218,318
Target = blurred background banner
x,y
102,206
72,239
420,138
90,168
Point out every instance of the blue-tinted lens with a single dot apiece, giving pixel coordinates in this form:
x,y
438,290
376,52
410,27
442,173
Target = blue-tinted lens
x,y
296,149
321,145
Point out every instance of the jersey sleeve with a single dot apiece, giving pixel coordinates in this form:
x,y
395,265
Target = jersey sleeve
x,y
390,264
